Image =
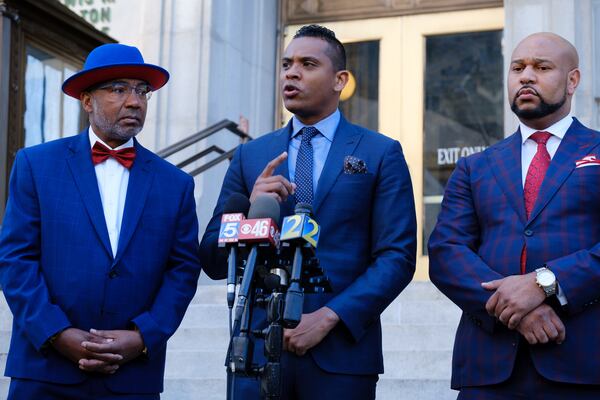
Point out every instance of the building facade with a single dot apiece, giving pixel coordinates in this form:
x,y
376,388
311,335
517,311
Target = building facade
x,y
428,73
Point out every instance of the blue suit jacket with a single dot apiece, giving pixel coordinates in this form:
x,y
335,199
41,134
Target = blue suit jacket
x,y
57,268
367,243
480,232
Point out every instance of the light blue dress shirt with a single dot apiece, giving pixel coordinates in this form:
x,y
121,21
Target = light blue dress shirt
x,y
321,144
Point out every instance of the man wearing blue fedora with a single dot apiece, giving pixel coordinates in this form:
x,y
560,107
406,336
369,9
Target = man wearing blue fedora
x,y
99,246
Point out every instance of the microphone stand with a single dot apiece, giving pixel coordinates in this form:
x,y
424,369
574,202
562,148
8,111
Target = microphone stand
x,y
241,348
270,373
307,277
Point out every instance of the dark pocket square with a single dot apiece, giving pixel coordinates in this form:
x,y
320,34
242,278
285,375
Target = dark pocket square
x,y
353,165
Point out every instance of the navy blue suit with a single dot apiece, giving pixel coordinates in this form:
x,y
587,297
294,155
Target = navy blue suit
x,y
479,236
367,244
58,271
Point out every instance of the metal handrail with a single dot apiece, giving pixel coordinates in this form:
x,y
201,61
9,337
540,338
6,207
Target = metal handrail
x,y
203,134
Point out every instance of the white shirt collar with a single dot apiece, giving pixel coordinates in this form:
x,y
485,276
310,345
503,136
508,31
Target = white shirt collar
x,y
558,129
95,138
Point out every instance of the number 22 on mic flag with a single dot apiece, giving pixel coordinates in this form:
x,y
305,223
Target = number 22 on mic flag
x,y
300,227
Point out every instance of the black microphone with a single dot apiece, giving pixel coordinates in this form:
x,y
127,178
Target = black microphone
x,y
301,232
259,230
235,210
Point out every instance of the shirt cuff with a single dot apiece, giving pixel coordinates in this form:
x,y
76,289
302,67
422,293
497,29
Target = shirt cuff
x,y
561,295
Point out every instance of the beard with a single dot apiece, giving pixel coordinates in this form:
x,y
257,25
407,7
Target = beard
x,y
111,128
543,109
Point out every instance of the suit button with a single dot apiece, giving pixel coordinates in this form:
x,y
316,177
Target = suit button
x,y
528,232
113,274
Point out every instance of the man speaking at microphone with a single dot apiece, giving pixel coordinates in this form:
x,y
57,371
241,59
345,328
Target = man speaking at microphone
x,y
358,184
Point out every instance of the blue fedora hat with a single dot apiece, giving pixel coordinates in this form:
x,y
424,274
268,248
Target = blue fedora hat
x,y
114,61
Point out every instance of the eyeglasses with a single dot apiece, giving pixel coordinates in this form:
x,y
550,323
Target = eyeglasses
x,y
121,90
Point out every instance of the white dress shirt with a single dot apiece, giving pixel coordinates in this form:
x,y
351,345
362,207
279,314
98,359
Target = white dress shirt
x,y
113,179
528,151
529,148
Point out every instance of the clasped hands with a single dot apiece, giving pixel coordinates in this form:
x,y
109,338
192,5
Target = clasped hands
x,y
518,303
99,351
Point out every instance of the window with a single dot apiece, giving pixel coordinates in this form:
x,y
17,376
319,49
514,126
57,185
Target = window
x,y
360,99
49,113
463,108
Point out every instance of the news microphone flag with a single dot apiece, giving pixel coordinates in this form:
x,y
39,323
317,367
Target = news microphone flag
x,y
258,230
229,228
300,226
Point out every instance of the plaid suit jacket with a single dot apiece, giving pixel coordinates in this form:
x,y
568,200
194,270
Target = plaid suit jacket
x,y
481,230
57,268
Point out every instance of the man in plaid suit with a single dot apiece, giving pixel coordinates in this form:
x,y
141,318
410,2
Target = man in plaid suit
x,y
516,243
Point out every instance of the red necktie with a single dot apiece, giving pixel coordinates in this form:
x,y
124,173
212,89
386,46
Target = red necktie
x,y
535,176
101,153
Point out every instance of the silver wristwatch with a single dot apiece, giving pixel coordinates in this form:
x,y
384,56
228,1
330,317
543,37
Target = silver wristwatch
x,y
546,280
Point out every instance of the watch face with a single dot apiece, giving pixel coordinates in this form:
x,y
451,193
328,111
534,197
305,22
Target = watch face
x,y
546,278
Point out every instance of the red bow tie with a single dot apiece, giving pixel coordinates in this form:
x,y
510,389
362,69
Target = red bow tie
x,y
101,153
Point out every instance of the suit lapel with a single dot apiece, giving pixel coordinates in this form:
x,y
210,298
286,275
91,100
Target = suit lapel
x,y
505,164
280,143
140,180
576,144
80,163
344,142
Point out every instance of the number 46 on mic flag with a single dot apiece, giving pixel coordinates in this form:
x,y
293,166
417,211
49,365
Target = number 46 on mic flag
x,y
300,226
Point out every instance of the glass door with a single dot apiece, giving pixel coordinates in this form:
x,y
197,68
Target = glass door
x,y
463,108
435,83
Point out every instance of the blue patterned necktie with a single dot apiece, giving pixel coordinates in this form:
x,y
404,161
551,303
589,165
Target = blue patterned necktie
x,y
304,167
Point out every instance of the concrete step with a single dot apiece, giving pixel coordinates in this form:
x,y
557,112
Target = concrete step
x,y
416,312
205,316
421,290
415,291
400,364
387,389
414,389
194,389
418,337
199,339
418,364
211,294
420,304
195,364
4,383
5,315
4,341
399,337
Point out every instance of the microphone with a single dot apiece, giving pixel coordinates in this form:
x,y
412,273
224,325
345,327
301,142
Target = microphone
x,y
301,233
259,230
235,209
